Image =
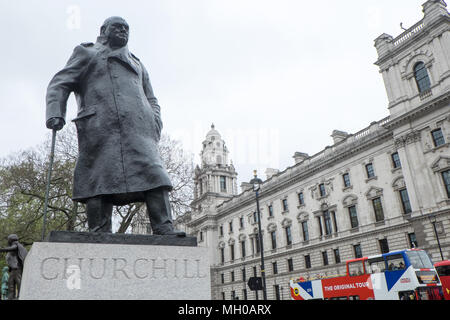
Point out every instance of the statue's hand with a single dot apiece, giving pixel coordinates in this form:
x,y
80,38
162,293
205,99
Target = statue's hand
x,y
55,123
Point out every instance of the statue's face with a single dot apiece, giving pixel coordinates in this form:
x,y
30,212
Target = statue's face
x,y
117,33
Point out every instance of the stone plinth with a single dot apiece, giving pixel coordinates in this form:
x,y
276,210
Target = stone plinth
x,y
99,271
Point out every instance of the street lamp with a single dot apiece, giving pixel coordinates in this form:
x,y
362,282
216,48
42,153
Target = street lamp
x,y
433,222
256,182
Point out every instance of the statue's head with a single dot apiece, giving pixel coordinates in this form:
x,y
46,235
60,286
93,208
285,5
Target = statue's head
x,y
115,31
12,238
5,269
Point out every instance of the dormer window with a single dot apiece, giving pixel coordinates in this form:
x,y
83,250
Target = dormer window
x,y
422,78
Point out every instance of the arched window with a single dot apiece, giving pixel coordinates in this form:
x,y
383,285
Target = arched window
x,y
422,78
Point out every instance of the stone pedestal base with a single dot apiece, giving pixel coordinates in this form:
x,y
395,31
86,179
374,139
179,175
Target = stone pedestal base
x,y
96,271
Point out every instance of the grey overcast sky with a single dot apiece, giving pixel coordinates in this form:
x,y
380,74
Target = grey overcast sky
x,y
275,77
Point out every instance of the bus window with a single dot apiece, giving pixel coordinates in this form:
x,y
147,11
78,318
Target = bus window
x,y
443,271
353,298
406,295
419,259
377,265
395,262
355,268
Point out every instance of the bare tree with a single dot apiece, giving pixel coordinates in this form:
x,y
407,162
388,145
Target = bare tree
x,y
180,166
23,177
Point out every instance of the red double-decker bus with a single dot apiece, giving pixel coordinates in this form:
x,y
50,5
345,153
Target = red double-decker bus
x,y
443,270
397,275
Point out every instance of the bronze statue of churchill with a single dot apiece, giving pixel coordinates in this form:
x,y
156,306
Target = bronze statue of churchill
x,y
118,126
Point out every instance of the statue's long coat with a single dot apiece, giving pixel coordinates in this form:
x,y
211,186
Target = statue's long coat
x,y
118,123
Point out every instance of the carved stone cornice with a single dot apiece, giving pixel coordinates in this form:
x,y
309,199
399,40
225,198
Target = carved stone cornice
x,y
408,138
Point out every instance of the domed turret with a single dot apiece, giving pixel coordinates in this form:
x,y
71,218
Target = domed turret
x,y
215,175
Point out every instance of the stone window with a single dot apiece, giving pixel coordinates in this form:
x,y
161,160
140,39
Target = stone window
x,y
284,204
337,256
353,216
396,160
438,137
378,209
325,258
384,246
346,178
288,235
290,264
232,252
255,217
308,261
223,184
322,190
275,267
406,204
244,275
305,231
350,202
273,237
301,199
243,248
412,240
270,210
422,78
370,171
358,251
276,289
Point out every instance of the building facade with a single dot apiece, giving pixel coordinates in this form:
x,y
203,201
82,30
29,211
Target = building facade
x,y
383,188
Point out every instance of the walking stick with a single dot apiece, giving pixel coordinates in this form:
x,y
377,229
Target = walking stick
x,y
49,175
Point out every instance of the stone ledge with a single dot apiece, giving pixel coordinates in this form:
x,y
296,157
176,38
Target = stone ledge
x,y
120,238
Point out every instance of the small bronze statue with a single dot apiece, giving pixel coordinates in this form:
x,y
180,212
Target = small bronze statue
x,y
5,278
15,257
118,126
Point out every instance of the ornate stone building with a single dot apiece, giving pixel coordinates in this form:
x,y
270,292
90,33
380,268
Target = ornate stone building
x,y
372,191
